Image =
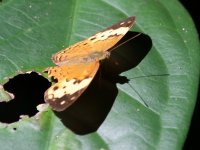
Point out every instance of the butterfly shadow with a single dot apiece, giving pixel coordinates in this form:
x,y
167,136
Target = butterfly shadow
x,y
90,110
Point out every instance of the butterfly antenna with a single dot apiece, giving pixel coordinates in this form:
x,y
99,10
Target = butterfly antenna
x,y
126,41
159,75
144,77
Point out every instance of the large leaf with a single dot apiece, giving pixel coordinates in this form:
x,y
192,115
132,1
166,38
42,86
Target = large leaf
x,y
31,31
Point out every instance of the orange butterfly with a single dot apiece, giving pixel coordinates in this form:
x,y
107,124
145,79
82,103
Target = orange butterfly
x,y
78,64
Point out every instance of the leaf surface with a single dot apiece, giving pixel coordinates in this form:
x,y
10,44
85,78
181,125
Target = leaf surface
x,y
31,31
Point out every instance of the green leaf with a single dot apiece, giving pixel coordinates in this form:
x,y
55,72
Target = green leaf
x,y
31,31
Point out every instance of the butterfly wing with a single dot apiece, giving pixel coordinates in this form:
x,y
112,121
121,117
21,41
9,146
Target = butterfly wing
x,y
94,47
71,82
78,64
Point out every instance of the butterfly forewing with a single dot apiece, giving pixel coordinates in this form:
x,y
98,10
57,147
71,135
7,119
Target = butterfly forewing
x,y
97,44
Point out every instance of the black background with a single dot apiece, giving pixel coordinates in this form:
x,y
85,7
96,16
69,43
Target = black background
x,y
192,141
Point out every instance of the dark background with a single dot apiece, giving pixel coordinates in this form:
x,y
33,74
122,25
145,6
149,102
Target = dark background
x,y
193,8
193,137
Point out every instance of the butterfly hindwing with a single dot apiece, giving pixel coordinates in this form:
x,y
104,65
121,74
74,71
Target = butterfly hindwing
x,y
71,82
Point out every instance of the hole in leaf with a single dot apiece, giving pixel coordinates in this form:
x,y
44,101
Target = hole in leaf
x,y
28,90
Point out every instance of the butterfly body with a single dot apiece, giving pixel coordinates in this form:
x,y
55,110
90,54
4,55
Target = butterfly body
x,y
78,64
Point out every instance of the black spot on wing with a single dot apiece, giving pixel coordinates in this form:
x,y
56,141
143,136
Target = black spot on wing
x,y
113,35
77,81
93,38
55,88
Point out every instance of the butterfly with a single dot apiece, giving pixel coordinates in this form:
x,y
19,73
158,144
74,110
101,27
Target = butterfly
x,y
77,65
